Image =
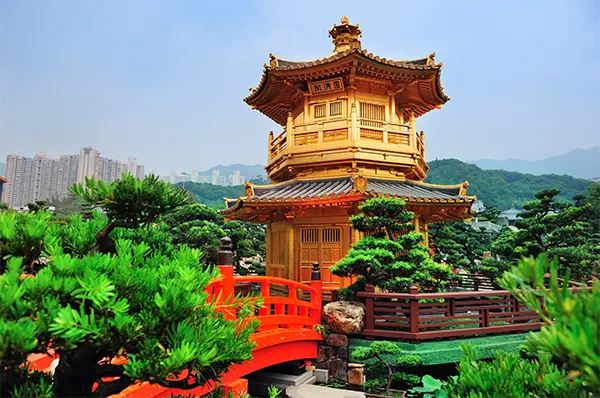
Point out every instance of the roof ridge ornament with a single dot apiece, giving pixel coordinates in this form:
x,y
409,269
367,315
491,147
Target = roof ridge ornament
x,y
345,36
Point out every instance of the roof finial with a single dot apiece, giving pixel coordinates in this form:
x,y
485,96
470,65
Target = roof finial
x,y
345,36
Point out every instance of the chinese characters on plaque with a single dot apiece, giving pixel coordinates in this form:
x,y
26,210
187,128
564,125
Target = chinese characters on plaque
x,y
326,86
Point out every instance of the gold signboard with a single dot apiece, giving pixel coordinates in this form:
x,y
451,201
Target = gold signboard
x,y
326,86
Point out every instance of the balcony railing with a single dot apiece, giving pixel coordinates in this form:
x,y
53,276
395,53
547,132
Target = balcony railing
x,y
422,316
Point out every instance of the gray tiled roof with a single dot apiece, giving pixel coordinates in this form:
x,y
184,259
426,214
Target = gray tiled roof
x,y
318,188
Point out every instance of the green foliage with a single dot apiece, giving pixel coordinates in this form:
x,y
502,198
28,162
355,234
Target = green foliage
x,y
592,196
38,205
382,367
146,301
387,258
25,235
459,244
128,203
500,188
202,227
572,328
273,391
560,229
68,206
432,387
507,375
212,195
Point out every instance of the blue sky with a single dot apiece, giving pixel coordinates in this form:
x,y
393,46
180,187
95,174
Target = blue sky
x,y
164,80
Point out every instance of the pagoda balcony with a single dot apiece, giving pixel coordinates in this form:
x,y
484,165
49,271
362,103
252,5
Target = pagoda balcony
x,y
339,140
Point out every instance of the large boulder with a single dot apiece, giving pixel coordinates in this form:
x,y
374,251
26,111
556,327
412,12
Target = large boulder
x,y
346,317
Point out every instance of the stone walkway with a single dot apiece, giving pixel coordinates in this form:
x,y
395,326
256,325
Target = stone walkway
x,y
312,391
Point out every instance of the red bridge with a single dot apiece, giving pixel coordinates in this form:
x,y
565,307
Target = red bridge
x,y
287,318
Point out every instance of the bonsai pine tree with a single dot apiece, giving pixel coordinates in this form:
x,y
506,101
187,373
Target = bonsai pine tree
x,y
128,203
383,366
139,313
392,255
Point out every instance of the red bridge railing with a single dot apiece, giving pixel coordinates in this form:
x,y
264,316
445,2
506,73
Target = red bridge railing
x,y
285,303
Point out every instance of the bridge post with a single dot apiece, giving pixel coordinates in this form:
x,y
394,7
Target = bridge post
x,y
317,284
225,266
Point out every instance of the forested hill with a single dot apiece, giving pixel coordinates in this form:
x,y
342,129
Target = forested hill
x,y
501,188
212,195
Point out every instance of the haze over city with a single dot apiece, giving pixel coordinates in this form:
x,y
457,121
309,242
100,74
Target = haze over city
x,y
164,81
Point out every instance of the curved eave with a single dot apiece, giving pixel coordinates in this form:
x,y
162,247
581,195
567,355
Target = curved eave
x,y
262,94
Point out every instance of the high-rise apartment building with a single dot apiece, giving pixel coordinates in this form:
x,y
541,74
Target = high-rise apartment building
x,y
140,172
89,163
194,175
42,178
215,177
66,175
30,179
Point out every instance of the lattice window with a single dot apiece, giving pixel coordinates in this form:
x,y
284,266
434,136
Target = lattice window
x,y
335,108
310,235
331,235
320,110
372,111
335,135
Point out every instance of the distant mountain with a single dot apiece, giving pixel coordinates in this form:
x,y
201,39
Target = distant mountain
x,y
248,171
2,168
501,188
580,163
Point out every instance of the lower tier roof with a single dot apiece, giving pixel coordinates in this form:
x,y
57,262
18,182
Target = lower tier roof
x,y
299,191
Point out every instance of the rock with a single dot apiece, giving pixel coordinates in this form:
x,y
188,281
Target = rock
x,y
324,353
347,317
356,374
338,369
342,353
337,340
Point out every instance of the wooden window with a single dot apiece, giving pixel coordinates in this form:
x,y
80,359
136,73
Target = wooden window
x,y
372,111
320,110
310,235
331,235
335,108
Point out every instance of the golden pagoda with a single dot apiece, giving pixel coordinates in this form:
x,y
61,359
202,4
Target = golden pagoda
x,y
349,134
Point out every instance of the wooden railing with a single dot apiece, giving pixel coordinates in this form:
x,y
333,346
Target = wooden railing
x,y
415,317
472,282
277,145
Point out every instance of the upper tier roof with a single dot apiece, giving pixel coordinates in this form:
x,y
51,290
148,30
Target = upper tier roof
x,y
284,82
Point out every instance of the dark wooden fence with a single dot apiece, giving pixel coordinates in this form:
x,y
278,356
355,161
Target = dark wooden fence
x,y
421,316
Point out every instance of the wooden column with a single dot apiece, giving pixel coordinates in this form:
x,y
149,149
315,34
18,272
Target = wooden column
x,y
353,125
290,130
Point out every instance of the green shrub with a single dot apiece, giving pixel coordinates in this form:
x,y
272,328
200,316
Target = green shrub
x,y
507,375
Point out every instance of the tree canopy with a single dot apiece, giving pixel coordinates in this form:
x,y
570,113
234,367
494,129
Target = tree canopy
x,y
144,302
391,256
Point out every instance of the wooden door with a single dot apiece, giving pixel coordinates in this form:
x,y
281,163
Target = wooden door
x,y
324,245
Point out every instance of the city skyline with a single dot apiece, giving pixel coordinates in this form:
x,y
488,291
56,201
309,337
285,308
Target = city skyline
x,y
44,178
166,80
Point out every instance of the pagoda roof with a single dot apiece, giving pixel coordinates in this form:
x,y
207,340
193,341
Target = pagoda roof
x,y
270,92
339,188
